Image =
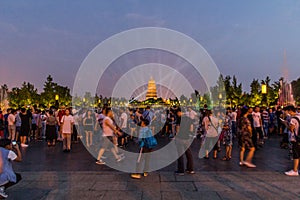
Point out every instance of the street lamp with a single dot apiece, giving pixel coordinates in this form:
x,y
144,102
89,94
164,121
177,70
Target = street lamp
x,y
264,92
220,99
56,100
264,89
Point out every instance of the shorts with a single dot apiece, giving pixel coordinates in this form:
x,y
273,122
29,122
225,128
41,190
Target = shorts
x,y
296,150
33,127
107,142
24,131
12,129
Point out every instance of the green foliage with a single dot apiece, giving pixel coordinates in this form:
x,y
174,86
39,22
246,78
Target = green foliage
x,y
28,95
296,90
24,96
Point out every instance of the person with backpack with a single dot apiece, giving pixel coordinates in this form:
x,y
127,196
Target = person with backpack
x,y
146,142
211,124
294,137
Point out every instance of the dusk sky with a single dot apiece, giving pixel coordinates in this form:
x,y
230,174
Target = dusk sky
x,y
245,38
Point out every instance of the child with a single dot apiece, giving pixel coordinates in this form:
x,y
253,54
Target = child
x,y
145,134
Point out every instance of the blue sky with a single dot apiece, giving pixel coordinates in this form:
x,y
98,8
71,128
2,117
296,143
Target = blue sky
x,y
245,38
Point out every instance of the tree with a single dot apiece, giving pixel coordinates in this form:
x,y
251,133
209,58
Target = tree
x,y
24,96
52,89
255,95
296,90
48,95
3,96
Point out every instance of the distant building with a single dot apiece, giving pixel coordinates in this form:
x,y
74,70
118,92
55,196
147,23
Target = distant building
x,y
151,91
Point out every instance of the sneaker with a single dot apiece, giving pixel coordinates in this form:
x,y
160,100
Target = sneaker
x,y
2,192
250,165
190,172
24,145
145,174
179,173
135,176
122,155
120,158
292,173
100,162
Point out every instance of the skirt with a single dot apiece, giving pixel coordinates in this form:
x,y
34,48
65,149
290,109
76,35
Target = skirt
x,y
51,132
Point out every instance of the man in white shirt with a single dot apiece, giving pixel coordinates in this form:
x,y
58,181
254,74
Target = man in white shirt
x,y
123,126
233,116
12,124
66,130
109,131
192,115
294,139
257,124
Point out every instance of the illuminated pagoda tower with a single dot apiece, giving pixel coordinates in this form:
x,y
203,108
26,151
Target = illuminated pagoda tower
x,y
151,92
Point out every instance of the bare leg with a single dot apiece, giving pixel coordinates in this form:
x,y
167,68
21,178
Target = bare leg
x,y
230,151
91,138
296,164
250,155
87,138
242,153
100,154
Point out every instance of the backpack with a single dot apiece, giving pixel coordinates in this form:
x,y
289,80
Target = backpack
x,y
297,137
149,142
147,116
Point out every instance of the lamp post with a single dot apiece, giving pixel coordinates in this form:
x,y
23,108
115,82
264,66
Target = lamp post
x,y
220,99
264,92
56,100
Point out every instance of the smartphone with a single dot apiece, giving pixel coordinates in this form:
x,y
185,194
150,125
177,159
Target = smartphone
x,y
14,143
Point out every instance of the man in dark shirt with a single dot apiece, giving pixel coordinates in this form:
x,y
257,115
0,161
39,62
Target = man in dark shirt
x,y
183,142
279,114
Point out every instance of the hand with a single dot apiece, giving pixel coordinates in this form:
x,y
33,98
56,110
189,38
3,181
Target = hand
x,y
119,133
16,147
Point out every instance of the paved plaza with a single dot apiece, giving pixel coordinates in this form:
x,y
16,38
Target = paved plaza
x,y
48,173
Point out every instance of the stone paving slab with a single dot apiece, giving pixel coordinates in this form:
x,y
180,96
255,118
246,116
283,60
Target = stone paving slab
x,y
159,185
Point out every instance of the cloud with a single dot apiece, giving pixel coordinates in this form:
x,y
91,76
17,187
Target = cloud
x,y
145,20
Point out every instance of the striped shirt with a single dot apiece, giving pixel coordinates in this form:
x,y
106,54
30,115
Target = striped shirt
x,y
265,116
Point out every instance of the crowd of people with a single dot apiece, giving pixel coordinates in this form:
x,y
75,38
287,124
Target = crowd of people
x,y
214,128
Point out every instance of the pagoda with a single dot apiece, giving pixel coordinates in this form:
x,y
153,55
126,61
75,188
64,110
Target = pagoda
x,y
151,91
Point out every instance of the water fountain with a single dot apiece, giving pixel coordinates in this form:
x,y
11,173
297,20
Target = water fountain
x,y
285,94
3,98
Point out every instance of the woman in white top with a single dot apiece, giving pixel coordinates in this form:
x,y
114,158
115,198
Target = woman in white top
x,y
210,124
